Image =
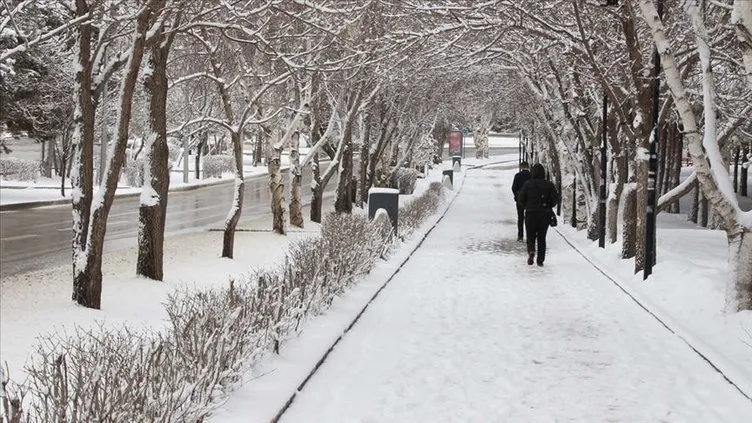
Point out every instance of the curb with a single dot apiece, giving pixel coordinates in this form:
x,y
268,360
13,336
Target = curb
x,y
323,358
665,321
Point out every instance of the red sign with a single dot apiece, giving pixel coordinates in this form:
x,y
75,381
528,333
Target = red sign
x,y
455,143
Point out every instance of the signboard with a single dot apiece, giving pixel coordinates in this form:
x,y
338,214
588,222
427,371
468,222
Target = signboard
x,y
455,143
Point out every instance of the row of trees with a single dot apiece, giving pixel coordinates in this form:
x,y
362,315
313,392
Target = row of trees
x,y
572,55
272,70
386,79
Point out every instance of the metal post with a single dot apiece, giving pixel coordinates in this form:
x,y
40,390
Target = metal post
x,y
602,202
653,163
186,160
737,153
519,147
574,203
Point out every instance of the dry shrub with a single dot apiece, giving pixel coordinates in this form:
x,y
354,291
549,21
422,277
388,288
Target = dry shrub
x,y
412,215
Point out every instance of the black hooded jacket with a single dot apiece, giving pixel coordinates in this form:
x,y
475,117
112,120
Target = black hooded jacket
x,y
519,180
538,194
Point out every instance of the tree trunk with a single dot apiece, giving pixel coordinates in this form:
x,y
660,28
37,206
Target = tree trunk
x,y
629,230
365,146
740,246
233,216
50,144
704,210
641,213
87,251
737,153
153,208
343,203
675,207
296,205
593,226
614,199
317,200
745,172
258,150
663,147
277,190
694,205
87,285
199,151
441,135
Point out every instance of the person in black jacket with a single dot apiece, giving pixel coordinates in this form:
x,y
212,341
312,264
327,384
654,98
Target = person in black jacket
x,y
519,180
538,196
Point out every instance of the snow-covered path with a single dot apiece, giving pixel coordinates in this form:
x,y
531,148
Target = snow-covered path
x,y
467,332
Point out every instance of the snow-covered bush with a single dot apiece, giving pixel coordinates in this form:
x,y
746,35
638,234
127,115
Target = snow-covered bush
x,y
135,172
12,168
216,165
414,213
404,180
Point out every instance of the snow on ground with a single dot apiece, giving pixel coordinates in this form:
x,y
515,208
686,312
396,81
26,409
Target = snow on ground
x,y
36,303
687,289
465,332
468,332
39,302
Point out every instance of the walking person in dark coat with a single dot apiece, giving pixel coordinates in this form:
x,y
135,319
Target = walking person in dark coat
x,y
538,196
519,180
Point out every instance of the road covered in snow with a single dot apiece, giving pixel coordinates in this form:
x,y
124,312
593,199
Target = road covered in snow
x,y
468,332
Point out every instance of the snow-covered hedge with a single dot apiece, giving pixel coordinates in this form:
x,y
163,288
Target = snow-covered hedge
x,y
404,180
15,169
180,374
216,165
135,172
414,213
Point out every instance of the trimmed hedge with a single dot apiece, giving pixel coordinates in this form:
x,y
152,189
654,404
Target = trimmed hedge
x,y
15,169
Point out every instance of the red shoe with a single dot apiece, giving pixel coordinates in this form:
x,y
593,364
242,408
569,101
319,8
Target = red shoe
x,y
530,259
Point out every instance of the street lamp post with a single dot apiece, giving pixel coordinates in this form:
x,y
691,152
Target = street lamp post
x,y
602,200
653,162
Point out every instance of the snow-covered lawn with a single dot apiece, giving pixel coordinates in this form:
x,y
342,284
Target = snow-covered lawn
x,y
39,302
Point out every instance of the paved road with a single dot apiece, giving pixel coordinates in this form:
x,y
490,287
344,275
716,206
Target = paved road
x,y
36,238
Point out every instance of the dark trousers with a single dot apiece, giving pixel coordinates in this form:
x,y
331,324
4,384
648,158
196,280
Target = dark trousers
x,y
536,224
520,219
